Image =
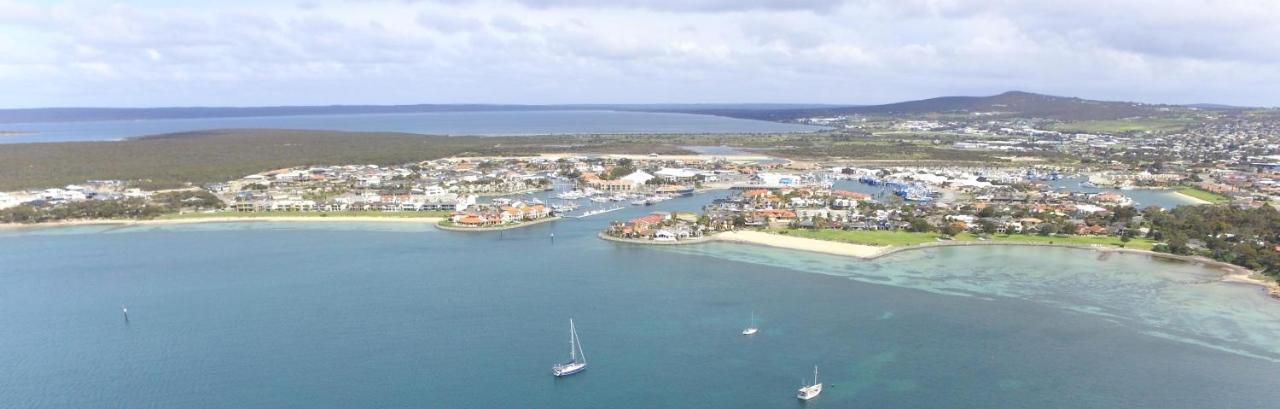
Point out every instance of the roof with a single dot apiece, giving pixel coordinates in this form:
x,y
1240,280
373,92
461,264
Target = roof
x,y
851,195
638,176
677,173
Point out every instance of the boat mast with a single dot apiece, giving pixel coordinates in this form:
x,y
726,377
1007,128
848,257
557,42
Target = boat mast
x,y
815,374
578,341
573,350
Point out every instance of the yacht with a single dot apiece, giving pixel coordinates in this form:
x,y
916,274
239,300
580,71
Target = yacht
x,y
577,359
751,329
807,392
571,195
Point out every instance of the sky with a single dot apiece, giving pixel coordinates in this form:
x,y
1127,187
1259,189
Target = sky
x,y
147,53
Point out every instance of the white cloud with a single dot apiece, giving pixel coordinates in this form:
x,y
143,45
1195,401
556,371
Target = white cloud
x,y
85,52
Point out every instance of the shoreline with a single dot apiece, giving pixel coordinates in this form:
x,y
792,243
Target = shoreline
x,y
495,228
196,220
1230,273
695,240
1194,200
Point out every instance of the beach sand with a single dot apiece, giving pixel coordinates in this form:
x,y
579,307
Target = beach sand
x,y
1192,199
801,243
1230,273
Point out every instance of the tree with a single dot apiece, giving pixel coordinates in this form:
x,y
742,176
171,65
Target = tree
x,y
987,226
952,229
920,225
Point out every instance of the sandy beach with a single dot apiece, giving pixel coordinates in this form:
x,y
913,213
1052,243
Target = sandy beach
x,y
1230,272
371,219
1192,199
803,244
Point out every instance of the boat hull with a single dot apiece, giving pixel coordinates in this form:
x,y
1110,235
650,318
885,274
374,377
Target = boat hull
x,y
809,392
568,369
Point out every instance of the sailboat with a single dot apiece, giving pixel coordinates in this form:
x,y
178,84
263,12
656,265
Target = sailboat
x,y
807,392
577,359
751,330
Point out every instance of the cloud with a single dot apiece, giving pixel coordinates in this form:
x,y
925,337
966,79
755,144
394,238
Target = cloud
x,y
446,22
86,52
692,5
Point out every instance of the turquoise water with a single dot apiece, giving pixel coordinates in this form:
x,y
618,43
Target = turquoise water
x,y
250,315
432,123
1165,198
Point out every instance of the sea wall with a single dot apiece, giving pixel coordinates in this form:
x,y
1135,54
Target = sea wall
x,y
497,228
694,240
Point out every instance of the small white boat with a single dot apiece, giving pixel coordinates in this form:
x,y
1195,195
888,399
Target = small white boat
x,y
577,359
807,392
751,329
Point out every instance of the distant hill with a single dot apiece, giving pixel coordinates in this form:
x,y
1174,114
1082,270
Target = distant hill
x,y
1009,104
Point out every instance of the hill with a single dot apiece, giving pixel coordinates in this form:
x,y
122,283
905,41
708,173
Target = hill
x,y
1013,104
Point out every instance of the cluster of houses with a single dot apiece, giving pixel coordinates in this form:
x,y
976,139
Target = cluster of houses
x,y
659,226
817,207
91,190
426,186
500,213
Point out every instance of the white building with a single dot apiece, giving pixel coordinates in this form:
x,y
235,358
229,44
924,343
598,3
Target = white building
x,y
638,177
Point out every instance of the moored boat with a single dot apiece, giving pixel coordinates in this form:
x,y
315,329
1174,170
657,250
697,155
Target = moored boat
x,y
751,329
807,392
577,359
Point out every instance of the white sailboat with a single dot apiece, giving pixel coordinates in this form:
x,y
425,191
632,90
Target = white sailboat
x,y
751,329
807,392
577,359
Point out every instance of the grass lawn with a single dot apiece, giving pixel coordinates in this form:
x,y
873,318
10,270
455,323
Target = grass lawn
x,y
1140,243
1203,194
1123,125
903,238
869,237
352,213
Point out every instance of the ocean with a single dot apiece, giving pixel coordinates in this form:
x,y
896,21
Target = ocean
x,y
318,315
496,123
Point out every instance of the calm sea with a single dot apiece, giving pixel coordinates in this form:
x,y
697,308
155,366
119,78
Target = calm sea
x,y
432,123
269,315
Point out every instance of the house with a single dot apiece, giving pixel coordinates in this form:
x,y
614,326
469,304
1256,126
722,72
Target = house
x,y
776,179
846,199
676,175
638,177
776,215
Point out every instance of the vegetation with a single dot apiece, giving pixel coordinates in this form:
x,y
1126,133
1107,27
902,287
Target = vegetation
x,y
217,156
1203,194
907,238
1247,237
867,237
88,209
1120,126
882,150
